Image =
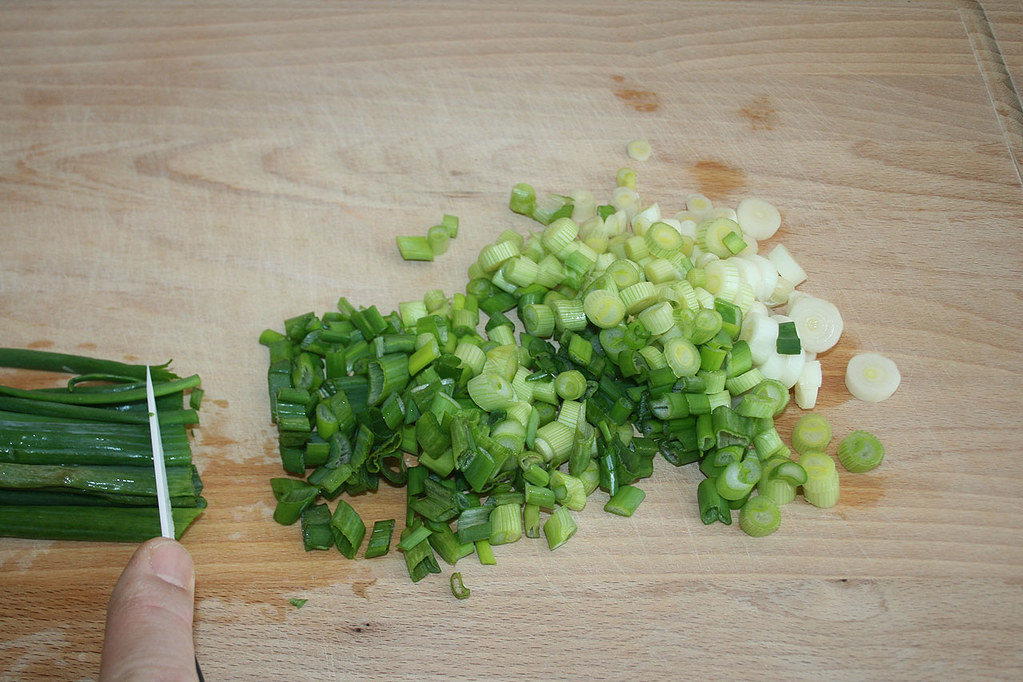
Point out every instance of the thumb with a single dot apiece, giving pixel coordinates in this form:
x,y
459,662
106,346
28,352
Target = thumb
x,y
149,617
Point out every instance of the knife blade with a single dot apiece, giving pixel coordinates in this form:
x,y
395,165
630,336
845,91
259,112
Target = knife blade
x,y
159,466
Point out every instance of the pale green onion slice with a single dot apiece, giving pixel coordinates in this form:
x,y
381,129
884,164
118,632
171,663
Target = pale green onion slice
x,y
738,478
682,357
505,523
759,516
623,272
872,377
710,235
821,488
471,355
778,490
559,528
758,218
822,491
639,150
749,273
554,441
538,320
817,464
812,433
520,271
570,384
662,239
818,322
638,296
494,255
559,235
657,318
569,314
860,452
723,279
502,360
491,391
626,177
636,249
661,271
522,386
626,200
584,205
698,203
603,308
571,413
787,265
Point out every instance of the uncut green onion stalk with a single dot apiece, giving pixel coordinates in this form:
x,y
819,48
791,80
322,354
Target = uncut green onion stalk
x,y
76,461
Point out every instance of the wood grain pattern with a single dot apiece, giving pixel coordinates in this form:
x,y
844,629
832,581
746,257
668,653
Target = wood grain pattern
x,y
175,178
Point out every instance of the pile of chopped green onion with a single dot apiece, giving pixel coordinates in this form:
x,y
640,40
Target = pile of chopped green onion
x,y
76,463
611,335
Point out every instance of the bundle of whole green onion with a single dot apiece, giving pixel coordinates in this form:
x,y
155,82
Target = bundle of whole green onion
x,y
613,334
76,462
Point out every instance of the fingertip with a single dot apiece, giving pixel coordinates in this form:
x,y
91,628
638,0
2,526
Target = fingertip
x,y
171,562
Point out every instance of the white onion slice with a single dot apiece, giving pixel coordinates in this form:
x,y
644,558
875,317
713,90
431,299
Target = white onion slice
x,y
818,322
761,333
809,384
787,265
871,377
758,218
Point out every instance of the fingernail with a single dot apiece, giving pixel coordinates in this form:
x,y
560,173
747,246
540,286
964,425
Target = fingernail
x,y
171,563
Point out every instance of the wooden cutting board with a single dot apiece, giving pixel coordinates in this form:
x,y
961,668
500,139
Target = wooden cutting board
x,y
175,178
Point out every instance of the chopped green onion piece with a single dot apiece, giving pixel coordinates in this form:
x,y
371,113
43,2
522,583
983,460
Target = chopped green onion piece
x,y
759,516
348,528
812,432
559,528
860,452
713,507
447,545
458,588
738,479
419,557
776,391
568,490
414,248
438,239
380,539
788,339
485,553
474,524
316,531
506,524
625,501
779,491
293,496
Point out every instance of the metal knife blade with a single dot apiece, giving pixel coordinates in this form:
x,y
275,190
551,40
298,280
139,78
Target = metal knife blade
x,y
162,491
160,467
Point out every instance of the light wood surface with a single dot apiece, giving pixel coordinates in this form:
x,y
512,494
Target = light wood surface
x,y
176,177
